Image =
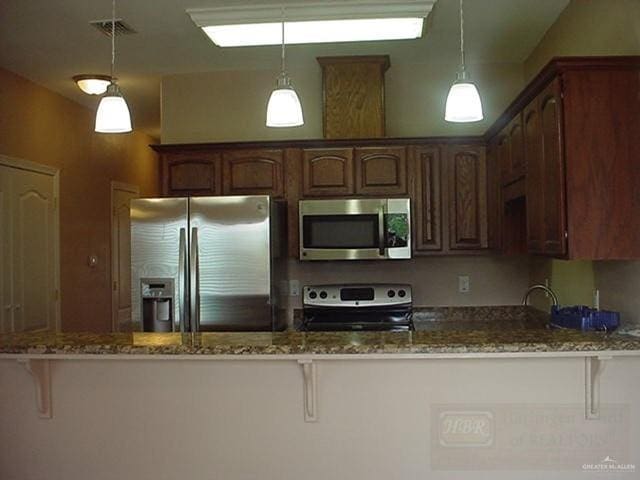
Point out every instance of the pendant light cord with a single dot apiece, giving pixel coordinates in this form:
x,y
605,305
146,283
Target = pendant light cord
x,y
461,37
113,37
282,64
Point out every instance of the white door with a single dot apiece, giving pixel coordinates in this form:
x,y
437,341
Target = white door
x,y
6,309
121,196
28,250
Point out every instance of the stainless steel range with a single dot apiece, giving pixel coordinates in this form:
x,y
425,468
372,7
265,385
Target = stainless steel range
x,y
378,307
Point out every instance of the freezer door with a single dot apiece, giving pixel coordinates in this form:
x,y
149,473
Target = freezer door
x,y
232,262
158,250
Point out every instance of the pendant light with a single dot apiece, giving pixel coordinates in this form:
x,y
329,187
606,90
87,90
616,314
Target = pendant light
x,y
284,109
113,113
463,102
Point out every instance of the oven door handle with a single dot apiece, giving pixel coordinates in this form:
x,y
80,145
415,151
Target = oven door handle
x,y
381,246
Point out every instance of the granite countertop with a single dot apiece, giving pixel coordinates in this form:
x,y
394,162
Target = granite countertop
x,y
447,330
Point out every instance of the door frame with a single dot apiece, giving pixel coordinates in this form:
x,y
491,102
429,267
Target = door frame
x,y
29,166
125,187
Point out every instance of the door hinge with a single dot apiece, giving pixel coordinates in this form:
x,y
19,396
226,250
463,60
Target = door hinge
x,y
55,203
56,294
115,285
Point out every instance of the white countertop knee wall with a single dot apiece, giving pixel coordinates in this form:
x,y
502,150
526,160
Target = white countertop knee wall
x,y
377,419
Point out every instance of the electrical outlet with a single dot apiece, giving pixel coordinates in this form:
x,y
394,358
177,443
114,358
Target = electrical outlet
x,y
596,299
464,285
294,288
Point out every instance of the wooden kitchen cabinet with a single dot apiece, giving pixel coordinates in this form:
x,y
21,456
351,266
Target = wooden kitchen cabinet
x,y
580,130
510,151
467,197
428,204
381,170
494,198
191,174
546,221
253,172
327,172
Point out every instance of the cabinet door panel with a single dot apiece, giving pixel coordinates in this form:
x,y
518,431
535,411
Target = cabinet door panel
x,y
467,198
554,181
191,174
381,171
428,199
327,171
535,180
253,172
516,143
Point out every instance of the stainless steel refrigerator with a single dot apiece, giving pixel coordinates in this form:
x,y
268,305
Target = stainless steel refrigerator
x,y
207,264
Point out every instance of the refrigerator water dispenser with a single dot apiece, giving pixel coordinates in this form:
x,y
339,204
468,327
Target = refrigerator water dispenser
x,y
157,304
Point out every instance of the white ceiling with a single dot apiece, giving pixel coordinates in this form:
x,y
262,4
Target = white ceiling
x,y
50,41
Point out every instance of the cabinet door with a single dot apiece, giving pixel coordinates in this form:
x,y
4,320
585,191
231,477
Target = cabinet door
x,y
327,171
253,172
535,180
516,145
428,199
467,197
494,198
555,224
185,174
381,170
503,152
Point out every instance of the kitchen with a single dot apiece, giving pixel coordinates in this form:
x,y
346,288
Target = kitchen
x,y
274,397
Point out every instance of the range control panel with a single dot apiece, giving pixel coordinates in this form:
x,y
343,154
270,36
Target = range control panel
x,y
360,295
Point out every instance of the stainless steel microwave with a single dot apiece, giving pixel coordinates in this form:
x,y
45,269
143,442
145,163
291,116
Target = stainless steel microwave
x,y
355,229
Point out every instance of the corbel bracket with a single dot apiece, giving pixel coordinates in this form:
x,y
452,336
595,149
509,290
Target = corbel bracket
x,y
40,371
593,367
310,378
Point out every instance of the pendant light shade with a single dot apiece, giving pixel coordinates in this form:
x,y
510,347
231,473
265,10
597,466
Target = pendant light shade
x,y
284,108
113,113
463,101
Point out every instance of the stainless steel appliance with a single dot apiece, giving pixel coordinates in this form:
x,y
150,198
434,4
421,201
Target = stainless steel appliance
x,y
355,229
207,263
380,307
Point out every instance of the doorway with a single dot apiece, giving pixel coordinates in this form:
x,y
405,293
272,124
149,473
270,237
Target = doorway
x,y
29,247
121,196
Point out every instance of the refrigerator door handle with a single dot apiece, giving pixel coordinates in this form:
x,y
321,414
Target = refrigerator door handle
x,y
194,269
183,306
381,231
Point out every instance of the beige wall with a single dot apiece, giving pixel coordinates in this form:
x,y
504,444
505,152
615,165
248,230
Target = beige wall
x,y
592,27
494,280
231,105
589,27
41,126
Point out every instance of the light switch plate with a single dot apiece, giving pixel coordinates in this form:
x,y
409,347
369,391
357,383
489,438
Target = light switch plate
x,y
463,284
294,288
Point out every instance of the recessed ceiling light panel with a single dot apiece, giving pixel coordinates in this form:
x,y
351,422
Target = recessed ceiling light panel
x,y
321,22
323,31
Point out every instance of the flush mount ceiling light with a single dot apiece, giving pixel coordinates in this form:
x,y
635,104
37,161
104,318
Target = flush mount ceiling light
x,y
113,113
92,84
463,102
321,22
284,108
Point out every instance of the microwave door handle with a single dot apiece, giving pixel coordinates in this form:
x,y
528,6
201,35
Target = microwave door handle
x,y
381,246
195,281
182,279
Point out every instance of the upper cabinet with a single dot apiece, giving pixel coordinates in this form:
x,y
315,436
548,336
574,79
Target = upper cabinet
x,y
467,197
450,199
327,171
191,173
253,172
381,170
578,125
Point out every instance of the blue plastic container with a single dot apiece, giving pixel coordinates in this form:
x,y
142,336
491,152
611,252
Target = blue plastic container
x,y
581,317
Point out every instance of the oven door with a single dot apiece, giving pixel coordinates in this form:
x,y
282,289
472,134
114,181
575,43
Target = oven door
x,y
353,229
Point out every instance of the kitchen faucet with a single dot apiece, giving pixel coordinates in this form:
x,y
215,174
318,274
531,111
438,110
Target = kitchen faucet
x,y
554,297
